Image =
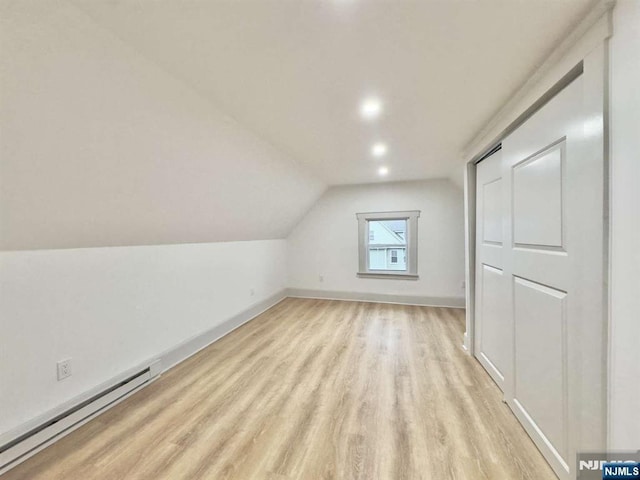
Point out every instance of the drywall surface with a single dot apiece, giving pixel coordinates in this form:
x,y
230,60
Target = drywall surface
x,y
100,147
625,227
325,243
109,309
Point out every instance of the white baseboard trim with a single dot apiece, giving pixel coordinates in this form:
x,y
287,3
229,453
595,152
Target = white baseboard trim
x,y
46,417
449,302
157,365
40,440
171,357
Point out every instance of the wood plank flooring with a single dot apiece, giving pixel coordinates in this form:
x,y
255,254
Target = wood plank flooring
x,y
310,389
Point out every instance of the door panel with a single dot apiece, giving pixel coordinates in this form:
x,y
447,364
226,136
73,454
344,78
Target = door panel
x,y
540,359
552,261
537,199
492,212
540,256
494,351
492,328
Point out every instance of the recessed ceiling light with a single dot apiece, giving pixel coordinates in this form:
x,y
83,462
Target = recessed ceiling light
x,y
379,150
382,171
370,108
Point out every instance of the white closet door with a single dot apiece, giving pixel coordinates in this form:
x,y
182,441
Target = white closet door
x,y
552,263
493,326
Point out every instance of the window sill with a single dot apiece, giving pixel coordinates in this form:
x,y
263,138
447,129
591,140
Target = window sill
x,y
395,276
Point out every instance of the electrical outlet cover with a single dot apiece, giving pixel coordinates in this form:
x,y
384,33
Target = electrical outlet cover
x,y
64,369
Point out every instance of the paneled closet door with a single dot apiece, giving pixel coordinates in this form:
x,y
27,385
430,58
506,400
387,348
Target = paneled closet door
x,y
493,324
553,259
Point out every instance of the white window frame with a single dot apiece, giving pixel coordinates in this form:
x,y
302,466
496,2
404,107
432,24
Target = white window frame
x,y
411,238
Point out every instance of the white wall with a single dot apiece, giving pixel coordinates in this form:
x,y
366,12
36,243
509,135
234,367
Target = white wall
x,y
625,227
100,147
325,242
110,309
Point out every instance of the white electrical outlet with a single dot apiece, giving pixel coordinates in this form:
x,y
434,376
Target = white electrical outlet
x,y
321,278
252,292
64,369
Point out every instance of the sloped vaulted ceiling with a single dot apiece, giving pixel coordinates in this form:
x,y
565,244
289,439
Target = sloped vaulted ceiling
x,y
295,71
101,147
131,122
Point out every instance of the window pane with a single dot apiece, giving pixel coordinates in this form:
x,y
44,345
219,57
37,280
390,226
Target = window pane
x,y
387,244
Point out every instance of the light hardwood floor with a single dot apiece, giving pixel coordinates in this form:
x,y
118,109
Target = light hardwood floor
x,y
311,389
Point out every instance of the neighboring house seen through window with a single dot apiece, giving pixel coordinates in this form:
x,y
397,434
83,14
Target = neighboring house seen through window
x,y
388,244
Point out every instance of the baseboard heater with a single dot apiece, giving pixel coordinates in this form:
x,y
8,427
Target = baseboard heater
x,y
35,439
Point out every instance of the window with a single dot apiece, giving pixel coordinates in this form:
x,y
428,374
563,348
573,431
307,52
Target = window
x,y
388,244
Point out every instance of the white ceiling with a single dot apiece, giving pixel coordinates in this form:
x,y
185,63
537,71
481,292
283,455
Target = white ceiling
x,y
295,72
